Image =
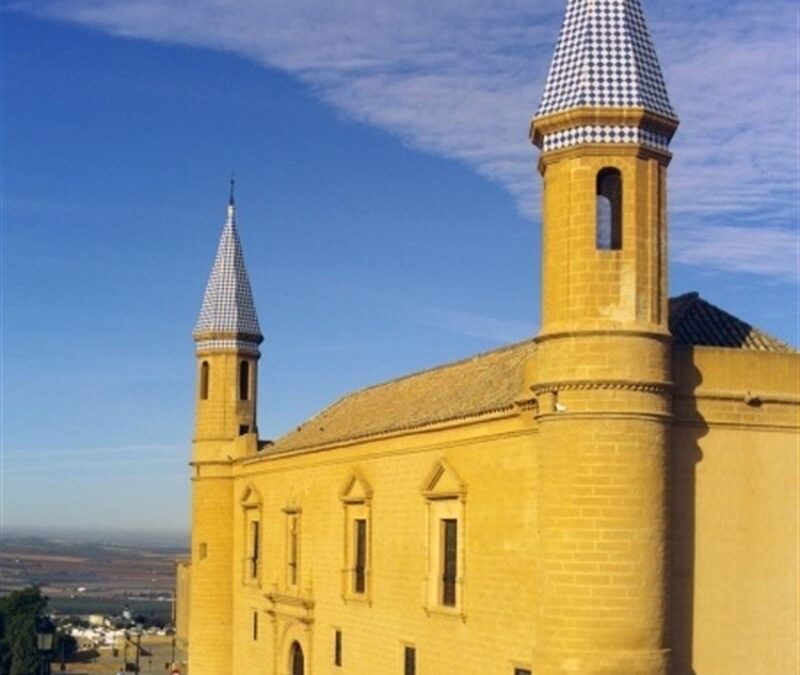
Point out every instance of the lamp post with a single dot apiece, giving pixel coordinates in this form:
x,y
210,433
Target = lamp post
x,y
45,631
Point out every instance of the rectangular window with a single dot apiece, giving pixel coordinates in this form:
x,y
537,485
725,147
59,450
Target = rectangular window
x,y
255,625
337,648
449,561
254,548
360,557
293,549
409,661
522,671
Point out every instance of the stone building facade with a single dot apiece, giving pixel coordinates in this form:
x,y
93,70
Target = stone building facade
x,y
618,495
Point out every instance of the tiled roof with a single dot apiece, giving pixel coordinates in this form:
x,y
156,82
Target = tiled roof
x,y
605,58
490,382
479,385
694,321
228,303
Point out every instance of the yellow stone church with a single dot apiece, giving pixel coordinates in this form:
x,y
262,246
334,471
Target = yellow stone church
x,y
616,496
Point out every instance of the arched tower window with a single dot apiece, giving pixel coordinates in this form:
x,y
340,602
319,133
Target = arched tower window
x,y
244,381
204,368
297,660
609,210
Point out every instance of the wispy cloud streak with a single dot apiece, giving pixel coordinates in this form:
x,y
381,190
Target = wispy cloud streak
x,y
460,78
470,324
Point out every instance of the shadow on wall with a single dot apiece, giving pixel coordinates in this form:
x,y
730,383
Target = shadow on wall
x,y
688,429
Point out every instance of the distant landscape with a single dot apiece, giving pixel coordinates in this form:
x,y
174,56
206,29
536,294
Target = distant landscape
x,y
92,577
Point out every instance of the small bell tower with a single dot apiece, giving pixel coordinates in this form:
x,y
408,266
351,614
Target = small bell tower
x,y
227,336
601,374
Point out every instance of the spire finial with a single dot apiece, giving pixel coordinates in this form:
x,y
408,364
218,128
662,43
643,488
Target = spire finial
x,y
231,203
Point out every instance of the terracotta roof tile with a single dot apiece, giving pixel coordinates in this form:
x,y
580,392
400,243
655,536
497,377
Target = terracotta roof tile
x,y
482,384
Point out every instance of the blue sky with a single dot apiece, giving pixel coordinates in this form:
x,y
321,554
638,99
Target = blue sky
x,y
387,204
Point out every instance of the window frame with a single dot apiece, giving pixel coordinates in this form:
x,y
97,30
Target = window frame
x,y
292,548
337,647
252,563
356,498
614,197
359,556
448,566
205,380
445,497
244,383
408,649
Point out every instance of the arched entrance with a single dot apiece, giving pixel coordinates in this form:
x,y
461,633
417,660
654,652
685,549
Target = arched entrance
x,y
296,659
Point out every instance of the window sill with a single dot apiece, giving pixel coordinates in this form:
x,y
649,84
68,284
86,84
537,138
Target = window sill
x,y
441,610
357,599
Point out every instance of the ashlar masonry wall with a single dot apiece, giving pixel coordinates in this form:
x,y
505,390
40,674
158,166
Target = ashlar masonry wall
x,y
483,473
735,462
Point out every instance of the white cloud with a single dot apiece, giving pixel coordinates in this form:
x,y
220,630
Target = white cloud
x,y
460,78
721,247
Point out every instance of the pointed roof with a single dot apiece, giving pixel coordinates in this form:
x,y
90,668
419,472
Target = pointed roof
x,y
228,302
694,321
605,58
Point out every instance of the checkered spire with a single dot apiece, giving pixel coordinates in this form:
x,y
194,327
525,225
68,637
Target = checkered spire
x,y
605,58
228,303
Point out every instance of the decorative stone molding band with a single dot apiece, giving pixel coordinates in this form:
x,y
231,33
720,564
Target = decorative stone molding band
x,y
228,345
627,385
604,332
605,415
582,135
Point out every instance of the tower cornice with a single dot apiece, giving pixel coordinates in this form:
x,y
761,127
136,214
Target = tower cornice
x,y
595,126
227,341
545,125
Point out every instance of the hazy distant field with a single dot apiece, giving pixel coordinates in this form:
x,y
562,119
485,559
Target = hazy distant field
x,y
83,577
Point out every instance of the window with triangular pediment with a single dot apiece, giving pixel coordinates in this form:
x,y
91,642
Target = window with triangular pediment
x,y
445,493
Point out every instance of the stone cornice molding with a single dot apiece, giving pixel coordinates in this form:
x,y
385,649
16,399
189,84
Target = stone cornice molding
x,y
585,116
626,385
664,336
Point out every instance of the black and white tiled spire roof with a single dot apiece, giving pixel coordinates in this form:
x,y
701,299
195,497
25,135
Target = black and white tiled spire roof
x,y
605,58
228,303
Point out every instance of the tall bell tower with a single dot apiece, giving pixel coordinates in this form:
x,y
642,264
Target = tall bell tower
x,y
602,369
227,336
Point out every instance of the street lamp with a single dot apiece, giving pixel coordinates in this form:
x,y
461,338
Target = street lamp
x,y
45,632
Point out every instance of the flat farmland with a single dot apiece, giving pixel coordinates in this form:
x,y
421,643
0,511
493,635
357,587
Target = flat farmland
x,y
86,577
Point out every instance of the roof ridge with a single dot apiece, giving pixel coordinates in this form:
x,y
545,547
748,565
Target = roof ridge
x,y
372,387
442,366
